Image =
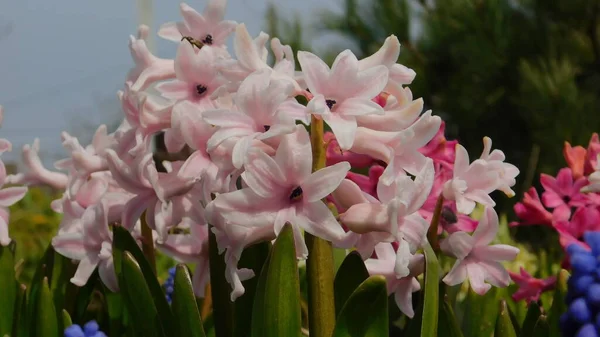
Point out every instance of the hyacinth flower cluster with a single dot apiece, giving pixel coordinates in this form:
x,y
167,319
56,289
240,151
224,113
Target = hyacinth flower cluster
x,y
569,205
254,167
583,297
90,329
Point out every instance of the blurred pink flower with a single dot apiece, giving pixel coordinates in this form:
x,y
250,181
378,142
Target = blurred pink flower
x,y
530,210
440,149
335,154
562,193
8,197
530,288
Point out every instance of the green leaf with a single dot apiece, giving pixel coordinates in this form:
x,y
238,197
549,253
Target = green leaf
x,y
350,275
504,326
448,325
123,241
66,319
20,328
365,314
283,317
258,314
429,324
533,314
477,313
253,258
220,290
189,322
558,304
138,299
8,295
45,319
541,329
114,306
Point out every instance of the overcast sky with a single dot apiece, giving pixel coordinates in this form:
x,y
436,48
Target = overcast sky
x,y
62,61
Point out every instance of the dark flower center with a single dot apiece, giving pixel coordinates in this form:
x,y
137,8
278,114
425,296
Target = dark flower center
x,y
566,199
267,127
208,40
296,194
449,216
201,89
330,103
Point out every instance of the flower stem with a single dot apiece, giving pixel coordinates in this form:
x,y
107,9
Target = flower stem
x,y
432,234
319,265
148,243
222,305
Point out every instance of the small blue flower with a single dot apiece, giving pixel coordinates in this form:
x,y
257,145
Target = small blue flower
x,y
169,283
582,318
90,329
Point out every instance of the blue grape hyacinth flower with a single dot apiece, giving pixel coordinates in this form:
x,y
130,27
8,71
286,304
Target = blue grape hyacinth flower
x,y
90,329
169,283
582,318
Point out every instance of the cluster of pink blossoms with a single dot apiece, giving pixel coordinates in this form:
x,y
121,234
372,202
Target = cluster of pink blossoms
x,y
249,172
570,204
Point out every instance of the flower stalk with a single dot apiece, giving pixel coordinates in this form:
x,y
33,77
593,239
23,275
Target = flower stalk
x,y
319,265
432,234
148,243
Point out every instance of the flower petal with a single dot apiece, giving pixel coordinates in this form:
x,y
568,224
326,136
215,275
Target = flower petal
x,y
10,195
263,175
84,270
344,128
324,181
315,71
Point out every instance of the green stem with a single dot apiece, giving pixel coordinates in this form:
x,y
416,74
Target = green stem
x,y
148,243
222,305
432,234
319,265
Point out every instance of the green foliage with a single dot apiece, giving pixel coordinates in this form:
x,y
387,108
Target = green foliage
x,y
365,313
349,276
504,325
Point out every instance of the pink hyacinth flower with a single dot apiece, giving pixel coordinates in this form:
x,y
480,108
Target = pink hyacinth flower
x,y
148,68
530,288
92,247
258,116
282,189
471,183
440,149
342,92
506,172
367,184
36,173
575,158
402,287
475,259
387,56
208,27
8,197
197,77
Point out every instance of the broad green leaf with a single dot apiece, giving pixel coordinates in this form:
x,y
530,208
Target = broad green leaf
x,y
42,271
558,304
533,314
144,315
429,325
45,319
253,258
185,309
20,327
504,326
365,314
8,295
339,255
220,290
123,241
83,298
258,313
66,319
541,329
114,306
350,275
477,313
282,316
448,325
